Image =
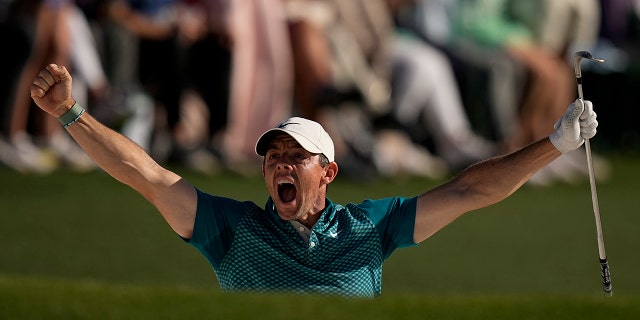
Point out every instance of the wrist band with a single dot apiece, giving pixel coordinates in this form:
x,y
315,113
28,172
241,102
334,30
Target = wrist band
x,y
72,115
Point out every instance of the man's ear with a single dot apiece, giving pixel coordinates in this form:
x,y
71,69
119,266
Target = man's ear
x,y
330,172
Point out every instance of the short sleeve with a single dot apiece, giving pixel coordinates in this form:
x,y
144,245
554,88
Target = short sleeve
x,y
215,224
394,219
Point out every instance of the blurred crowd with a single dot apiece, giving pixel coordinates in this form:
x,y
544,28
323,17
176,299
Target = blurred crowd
x,y
422,87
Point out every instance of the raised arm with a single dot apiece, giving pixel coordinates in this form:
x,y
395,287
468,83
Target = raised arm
x,y
120,157
493,180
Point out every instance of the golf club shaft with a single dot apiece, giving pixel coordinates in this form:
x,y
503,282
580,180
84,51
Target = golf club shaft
x,y
604,263
594,200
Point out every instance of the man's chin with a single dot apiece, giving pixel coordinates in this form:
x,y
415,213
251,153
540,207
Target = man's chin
x,y
287,210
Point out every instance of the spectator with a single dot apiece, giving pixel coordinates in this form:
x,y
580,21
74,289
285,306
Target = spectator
x,y
261,84
509,39
402,79
39,145
157,61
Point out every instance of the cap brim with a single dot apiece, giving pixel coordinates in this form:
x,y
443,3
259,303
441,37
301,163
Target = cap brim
x,y
265,139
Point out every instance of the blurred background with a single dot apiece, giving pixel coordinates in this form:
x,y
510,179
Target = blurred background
x,y
420,88
411,92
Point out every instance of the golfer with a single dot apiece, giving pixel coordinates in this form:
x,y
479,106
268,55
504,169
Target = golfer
x,y
300,241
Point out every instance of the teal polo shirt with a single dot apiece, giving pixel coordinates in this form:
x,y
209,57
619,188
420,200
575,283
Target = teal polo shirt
x,y
252,249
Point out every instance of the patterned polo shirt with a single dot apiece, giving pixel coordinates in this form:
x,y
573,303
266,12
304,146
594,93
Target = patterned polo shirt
x,y
252,249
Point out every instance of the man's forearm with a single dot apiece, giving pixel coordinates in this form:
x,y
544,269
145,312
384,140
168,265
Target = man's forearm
x,y
118,155
175,198
516,168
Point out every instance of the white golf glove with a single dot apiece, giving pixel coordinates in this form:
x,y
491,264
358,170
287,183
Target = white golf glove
x,y
577,124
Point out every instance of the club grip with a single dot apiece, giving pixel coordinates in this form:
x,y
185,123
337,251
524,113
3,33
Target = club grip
x,y
606,276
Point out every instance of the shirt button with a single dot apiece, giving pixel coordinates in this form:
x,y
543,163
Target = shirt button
x,y
301,228
313,244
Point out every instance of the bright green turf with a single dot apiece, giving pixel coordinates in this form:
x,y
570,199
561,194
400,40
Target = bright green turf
x,y
83,246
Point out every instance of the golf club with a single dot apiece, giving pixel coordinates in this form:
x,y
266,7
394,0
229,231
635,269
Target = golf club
x,y
604,264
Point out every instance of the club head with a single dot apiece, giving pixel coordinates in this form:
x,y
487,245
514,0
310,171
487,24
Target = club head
x,y
578,56
586,55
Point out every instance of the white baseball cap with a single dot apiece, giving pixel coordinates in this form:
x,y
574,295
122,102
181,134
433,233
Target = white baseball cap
x,y
309,134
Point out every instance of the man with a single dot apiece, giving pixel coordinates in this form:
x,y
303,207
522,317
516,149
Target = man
x,y
301,241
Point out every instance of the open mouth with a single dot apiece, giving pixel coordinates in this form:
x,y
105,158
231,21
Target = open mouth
x,y
287,191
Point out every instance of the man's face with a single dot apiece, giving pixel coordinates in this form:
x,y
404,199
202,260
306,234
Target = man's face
x,y
295,179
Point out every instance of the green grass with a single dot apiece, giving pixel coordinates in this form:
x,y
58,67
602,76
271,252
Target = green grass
x,y
38,298
83,246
